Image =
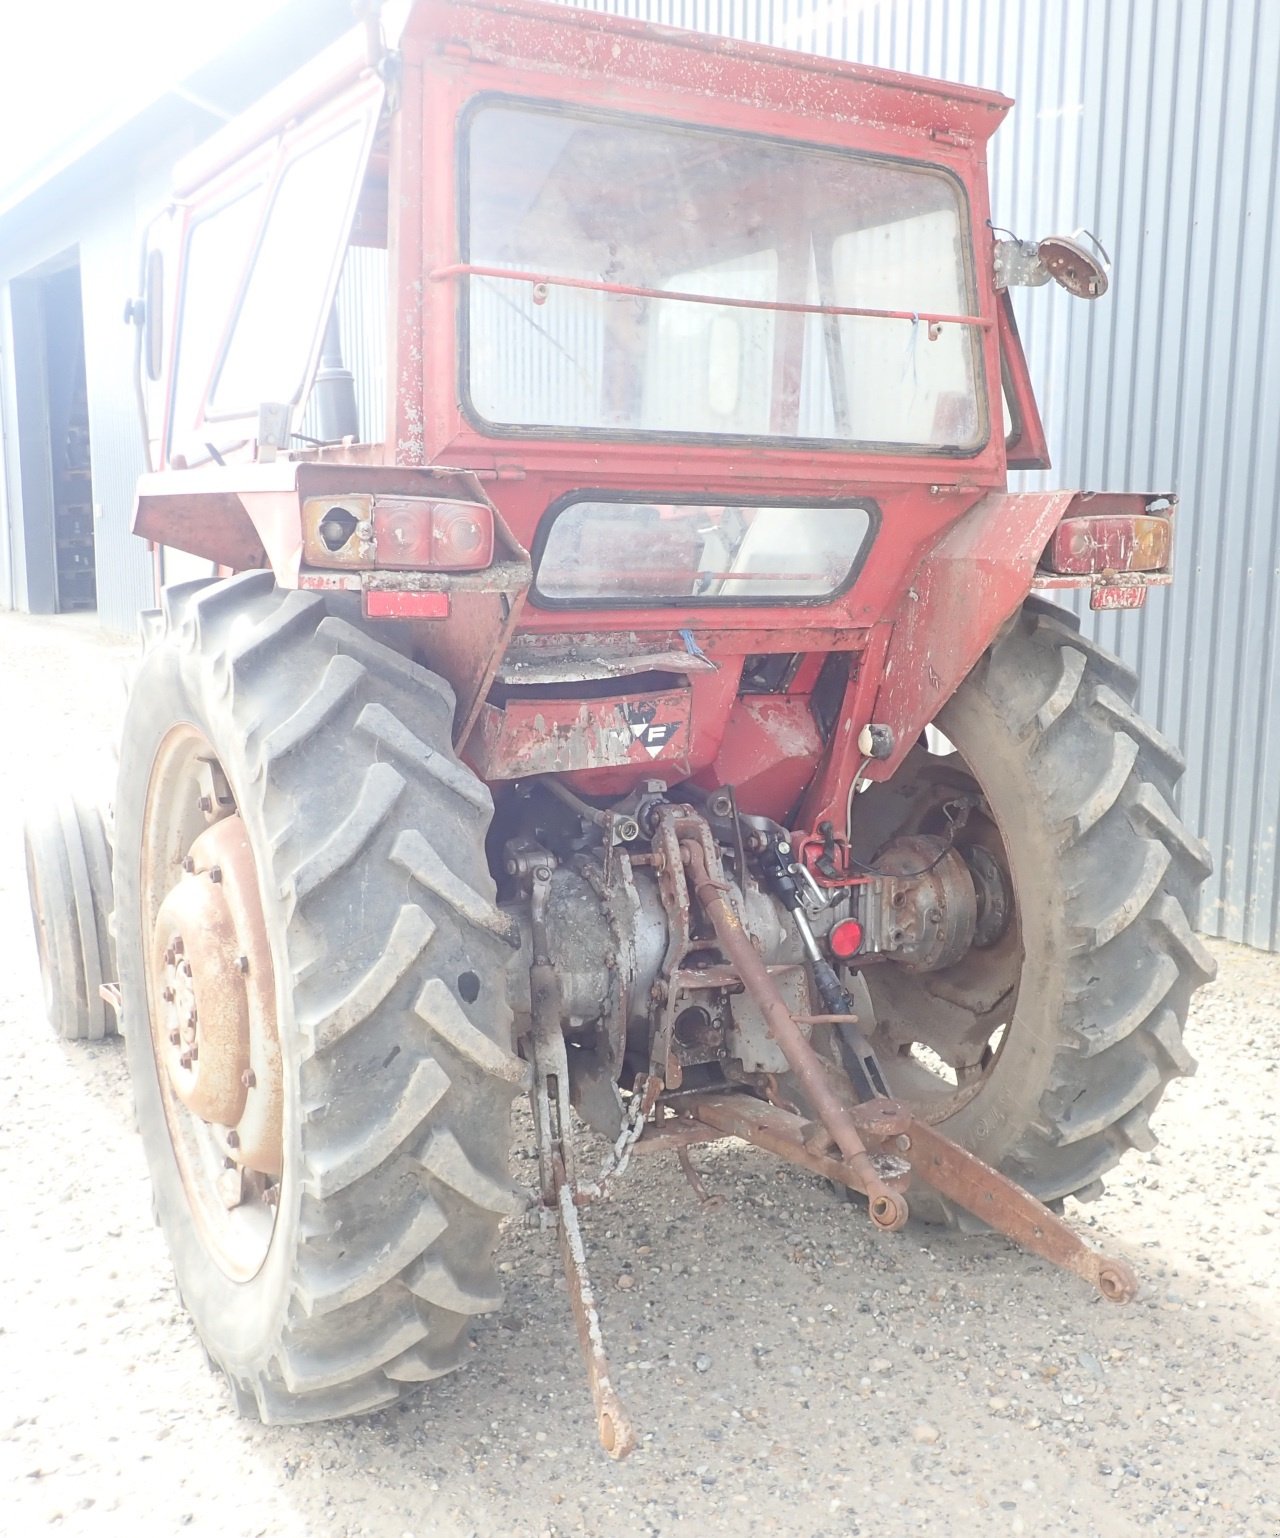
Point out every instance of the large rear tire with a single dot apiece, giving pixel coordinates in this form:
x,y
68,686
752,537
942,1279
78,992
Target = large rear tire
x,y
349,1275
1046,1049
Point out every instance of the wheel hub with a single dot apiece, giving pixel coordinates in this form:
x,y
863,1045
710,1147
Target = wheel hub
x,y
991,888
214,1014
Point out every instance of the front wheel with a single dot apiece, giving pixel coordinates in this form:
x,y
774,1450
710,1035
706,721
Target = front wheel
x,y
1045,1049
316,1024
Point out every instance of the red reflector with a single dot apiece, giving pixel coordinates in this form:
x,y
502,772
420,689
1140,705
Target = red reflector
x,y
380,604
846,939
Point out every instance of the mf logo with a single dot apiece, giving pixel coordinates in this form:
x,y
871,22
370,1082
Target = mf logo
x,y
652,735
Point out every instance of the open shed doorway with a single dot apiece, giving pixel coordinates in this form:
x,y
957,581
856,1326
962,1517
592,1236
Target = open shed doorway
x,y
75,574
54,538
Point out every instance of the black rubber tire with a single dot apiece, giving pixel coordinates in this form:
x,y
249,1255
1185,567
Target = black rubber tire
x,y
394,1028
1105,877
69,886
97,854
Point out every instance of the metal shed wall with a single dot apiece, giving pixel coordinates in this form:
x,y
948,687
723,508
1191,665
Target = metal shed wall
x,y
1156,124
108,274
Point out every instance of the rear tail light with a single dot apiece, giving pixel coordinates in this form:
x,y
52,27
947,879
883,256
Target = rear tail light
x,y
462,535
1110,543
396,533
412,534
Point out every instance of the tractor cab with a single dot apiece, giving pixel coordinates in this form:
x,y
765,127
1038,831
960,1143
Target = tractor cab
x,y
711,335
661,242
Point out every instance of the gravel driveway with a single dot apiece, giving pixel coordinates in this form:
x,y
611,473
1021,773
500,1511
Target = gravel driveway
x,y
791,1371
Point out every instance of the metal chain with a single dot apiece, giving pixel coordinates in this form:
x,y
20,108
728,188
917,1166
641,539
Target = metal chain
x,y
620,1156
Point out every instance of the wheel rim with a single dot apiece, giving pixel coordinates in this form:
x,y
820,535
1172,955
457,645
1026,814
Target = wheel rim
x,y
211,1003
942,1033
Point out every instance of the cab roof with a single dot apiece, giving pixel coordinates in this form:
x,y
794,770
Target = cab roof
x,y
579,45
563,39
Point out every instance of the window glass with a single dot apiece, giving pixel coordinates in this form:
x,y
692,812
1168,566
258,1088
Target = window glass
x,y
217,248
639,552
901,385
361,312
284,306
618,205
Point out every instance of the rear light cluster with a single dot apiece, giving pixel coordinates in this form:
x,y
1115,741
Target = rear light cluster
x,y
1110,543
414,535
393,533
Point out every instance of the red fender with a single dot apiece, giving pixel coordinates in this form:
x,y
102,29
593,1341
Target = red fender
x,y
960,595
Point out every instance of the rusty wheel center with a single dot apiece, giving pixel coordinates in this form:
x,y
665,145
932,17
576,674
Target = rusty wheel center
x,y
215,997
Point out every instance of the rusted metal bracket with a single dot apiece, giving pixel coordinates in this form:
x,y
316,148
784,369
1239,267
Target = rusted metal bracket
x,y
669,868
963,1178
886,1206
784,1133
901,1147
874,1147
879,1143
552,1112
554,1128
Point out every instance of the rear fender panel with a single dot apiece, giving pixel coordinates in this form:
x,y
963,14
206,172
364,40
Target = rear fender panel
x,y
962,592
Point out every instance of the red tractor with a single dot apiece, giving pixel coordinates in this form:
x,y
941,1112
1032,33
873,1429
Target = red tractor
x,y
623,687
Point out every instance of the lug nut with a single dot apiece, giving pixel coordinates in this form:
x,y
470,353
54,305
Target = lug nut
x,y
233,1139
185,1059
188,864
206,804
248,1078
178,946
174,1038
168,995
215,874
242,964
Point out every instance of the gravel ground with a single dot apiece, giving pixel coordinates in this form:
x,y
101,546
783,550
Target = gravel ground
x,y
790,1370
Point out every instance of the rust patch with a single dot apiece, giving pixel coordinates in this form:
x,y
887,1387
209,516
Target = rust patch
x,y
549,736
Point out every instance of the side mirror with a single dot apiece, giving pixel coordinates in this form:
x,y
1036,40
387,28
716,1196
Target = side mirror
x,y
1028,264
1074,267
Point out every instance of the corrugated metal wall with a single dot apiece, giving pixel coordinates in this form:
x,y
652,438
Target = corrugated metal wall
x,y
1154,123
362,324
